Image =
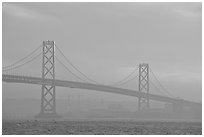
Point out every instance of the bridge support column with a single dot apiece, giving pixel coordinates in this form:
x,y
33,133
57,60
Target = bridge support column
x,y
48,103
177,109
143,102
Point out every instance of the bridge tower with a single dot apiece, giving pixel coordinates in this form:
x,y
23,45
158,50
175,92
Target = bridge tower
x,y
48,104
143,103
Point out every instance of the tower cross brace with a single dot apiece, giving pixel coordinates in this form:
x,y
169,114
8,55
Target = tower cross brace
x,y
143,103
48,98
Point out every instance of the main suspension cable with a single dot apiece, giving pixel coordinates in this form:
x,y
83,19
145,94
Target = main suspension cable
x,y
128,80
75,67
161,84
125,78
22,58
18,66
69,69
157,89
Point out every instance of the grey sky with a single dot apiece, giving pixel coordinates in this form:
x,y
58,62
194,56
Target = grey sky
x,y
107,41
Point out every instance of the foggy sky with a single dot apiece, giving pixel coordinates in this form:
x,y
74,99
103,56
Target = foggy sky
x,y
107,41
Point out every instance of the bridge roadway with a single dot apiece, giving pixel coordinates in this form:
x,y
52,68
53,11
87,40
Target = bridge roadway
x,y
103,88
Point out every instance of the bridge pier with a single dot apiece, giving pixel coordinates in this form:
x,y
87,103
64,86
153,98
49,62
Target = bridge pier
x,y
177,108
48,101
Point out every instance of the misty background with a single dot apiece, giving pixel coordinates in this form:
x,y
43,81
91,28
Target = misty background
x,y
106,41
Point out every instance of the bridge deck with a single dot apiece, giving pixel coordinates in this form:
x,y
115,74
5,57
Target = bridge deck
x,y
104,88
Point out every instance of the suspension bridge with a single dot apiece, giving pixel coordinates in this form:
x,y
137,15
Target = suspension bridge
x,y
48,81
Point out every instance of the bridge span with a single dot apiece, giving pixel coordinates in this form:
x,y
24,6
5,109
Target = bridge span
x,y
95,87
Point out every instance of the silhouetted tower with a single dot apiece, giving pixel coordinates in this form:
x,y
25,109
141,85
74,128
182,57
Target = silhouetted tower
x,y
48,104
143,102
